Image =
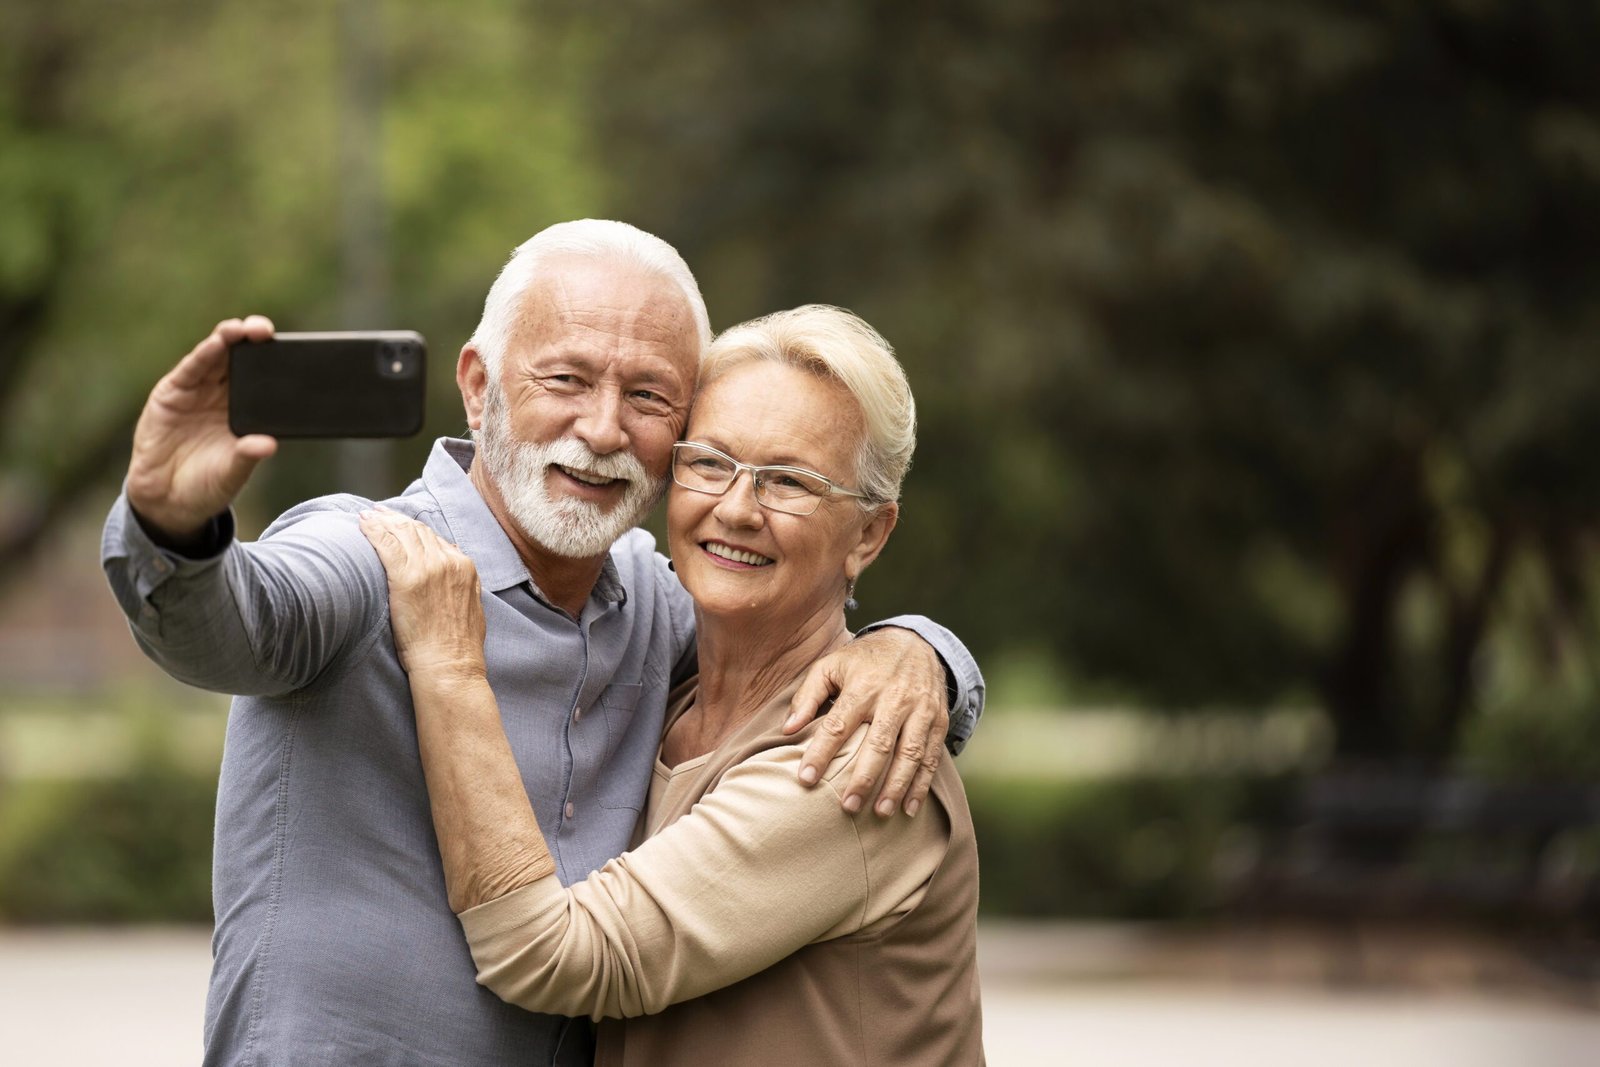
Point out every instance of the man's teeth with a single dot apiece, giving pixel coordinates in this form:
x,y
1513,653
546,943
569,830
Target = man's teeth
x,y
738,555
584,476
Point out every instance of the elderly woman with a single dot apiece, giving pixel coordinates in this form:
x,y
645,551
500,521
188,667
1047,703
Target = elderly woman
x,y
754,921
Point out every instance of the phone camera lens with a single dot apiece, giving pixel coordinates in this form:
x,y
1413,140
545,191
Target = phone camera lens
x,y
399,359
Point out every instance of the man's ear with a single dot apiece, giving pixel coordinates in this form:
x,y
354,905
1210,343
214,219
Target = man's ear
x,y
874,535
472,378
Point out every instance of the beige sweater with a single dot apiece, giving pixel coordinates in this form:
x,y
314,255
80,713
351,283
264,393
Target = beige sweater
x,y
827,938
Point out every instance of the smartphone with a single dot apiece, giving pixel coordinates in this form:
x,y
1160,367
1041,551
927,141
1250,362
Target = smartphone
x,y
368,384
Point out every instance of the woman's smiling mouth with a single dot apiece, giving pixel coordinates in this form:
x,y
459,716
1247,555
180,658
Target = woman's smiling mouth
x,y
735,555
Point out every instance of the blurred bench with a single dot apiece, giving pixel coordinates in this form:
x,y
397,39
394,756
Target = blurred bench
x,y
1388,843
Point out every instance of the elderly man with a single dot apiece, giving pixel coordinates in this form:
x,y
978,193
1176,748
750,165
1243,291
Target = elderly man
x,y
334,943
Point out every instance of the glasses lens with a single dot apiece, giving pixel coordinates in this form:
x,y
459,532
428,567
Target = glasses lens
x,y
791,489
700,468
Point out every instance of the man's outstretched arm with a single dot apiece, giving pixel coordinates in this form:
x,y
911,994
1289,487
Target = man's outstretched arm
x,y
209,612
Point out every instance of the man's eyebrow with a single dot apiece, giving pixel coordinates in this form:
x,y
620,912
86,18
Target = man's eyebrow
x,y
562,359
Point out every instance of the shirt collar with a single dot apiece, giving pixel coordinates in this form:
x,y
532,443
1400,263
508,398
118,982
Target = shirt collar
x,y
478,533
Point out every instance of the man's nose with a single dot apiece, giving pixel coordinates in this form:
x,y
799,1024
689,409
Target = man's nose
x,y
600,424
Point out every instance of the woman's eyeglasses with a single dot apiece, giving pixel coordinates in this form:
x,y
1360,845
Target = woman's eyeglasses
x,y
792,490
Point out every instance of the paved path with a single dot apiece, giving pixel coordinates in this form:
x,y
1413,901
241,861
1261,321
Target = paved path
x,y
1143,1025
145,988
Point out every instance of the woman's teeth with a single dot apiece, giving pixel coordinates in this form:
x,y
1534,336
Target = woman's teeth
x,y
738,555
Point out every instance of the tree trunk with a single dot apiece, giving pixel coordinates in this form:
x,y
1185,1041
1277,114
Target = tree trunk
x,y
1469,618
1385,539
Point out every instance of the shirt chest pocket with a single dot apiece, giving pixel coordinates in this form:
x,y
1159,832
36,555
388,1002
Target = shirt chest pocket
x,y
623,696
631,744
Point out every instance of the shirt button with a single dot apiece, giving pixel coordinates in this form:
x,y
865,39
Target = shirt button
x,y
570,809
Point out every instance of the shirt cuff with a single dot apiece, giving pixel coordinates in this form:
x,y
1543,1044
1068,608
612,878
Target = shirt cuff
x,y
137,566
212,542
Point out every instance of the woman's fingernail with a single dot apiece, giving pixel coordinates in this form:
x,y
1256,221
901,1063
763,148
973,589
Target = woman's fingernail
x,y
912,806
885,807
852,804
808,775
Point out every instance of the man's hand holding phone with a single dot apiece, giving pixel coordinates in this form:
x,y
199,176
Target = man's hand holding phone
x,y
221,410
187,465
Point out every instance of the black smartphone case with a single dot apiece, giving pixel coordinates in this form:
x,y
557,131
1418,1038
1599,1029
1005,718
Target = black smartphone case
x,y
329,385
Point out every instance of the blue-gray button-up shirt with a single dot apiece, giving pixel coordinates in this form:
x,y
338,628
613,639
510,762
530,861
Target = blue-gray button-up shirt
x,y
334,943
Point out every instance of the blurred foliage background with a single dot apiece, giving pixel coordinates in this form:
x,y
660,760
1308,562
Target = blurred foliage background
x,y
1254,344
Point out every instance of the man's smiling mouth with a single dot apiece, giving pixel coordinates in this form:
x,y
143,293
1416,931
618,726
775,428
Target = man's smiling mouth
x,y
585,477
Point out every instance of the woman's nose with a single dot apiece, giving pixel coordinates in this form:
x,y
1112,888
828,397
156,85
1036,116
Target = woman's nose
x,y
738,506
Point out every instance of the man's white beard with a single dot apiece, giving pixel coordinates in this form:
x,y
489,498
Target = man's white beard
x,y
577,529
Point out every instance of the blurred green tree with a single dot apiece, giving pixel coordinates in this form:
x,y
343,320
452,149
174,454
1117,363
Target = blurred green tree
x,y
165,165
1253,340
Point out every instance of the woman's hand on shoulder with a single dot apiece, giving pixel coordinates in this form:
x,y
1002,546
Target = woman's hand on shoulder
x,y
434,608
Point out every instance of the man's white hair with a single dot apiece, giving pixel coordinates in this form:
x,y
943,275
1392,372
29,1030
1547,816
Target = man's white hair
x,y
600,239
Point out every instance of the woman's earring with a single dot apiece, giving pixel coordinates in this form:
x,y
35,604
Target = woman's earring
x,y
850,594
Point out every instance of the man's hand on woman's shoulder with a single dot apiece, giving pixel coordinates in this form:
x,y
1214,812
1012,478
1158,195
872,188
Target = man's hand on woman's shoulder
x,y
894,679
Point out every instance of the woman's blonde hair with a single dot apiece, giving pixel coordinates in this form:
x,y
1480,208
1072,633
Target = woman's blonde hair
x,y
833,343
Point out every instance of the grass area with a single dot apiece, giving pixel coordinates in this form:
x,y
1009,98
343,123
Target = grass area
x,y
106,804
106,807
107,734
1099,743
62,737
